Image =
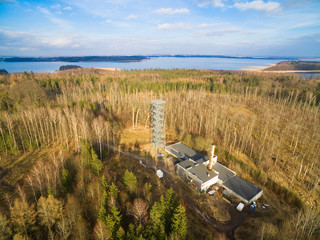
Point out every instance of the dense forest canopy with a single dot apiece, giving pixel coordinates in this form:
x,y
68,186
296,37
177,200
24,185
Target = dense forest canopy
x,y
61,179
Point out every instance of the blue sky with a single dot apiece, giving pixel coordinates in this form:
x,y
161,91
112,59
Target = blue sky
x,y
140,27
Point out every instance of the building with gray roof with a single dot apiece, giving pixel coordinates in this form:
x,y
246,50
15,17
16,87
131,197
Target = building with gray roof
x,y
197,169
183,152
198,174
242,189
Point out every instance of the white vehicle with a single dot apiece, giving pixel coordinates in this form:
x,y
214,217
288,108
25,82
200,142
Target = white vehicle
x,y
159,173
211,193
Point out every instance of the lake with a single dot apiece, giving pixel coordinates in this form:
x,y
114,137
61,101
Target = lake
x,y
153,62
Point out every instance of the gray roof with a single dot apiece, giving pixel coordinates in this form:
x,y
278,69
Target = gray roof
x,y
198,169
241,187
187,163
193,163
202,172
180,150
203,159
224,173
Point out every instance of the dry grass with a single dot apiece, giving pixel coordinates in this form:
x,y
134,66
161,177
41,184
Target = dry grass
x,y
271,219
218,208
188,80
138,134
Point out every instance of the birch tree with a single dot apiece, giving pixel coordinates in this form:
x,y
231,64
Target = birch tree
x,y
98,125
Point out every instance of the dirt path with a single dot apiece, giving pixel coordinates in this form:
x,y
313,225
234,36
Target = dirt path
x,y
227,227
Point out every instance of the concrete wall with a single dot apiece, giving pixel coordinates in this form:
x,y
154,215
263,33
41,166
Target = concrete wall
x,y
256,197
236,195
188,176
209,183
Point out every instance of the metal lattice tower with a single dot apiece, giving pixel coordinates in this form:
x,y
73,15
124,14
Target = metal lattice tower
x,y
158,136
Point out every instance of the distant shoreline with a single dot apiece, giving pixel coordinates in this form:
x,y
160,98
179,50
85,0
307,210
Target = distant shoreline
x,y
257,68
262,69
226,64
135,58
76,59
298,67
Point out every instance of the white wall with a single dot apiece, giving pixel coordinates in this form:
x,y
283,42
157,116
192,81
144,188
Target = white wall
x,y
209,183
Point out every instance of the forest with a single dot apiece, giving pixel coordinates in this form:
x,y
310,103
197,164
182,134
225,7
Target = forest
x,y
61,179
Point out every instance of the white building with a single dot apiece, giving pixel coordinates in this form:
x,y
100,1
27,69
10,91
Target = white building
x,y
205,171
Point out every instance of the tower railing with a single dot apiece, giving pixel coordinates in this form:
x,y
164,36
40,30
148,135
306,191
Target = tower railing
x,y
158,137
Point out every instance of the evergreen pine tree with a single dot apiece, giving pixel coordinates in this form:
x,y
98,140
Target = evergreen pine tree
x,y
86,155
121,234
102,214
113,193
130,181
131,232
96,164
157,219
65,181
170,203
179,222
113,221
104,182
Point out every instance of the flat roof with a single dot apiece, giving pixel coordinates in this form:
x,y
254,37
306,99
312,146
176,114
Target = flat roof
x,y
187,163
198,169
193,163
181,150
242,187
202,172
224,173
202,160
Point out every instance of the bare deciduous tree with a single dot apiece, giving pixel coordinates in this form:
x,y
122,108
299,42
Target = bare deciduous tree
x,y
139,210
100,231
98,125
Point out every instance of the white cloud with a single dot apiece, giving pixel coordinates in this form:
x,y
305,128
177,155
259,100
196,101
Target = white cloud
x,y
52,17
58,42
215,3
23,41
247,42
67,8
56,6
260,5
217,32
108,21
26,49
174,26
131,16
206,25
171,11
187,26
44,11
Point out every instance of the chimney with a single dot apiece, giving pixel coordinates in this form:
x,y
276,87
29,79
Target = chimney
x,y
212,160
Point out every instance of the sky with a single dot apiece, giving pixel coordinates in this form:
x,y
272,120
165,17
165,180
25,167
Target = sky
x,y
152,27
